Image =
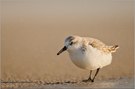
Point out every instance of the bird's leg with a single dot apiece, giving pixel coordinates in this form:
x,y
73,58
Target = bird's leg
x,y
89,79
90,75
95,75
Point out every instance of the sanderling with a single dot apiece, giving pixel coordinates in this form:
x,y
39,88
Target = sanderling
x,y
88,53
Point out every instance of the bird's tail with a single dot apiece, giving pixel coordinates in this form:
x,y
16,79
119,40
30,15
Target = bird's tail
x,y
113,48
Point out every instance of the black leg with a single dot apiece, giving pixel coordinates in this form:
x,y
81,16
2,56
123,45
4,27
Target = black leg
x,y
95,75
90,75
89,79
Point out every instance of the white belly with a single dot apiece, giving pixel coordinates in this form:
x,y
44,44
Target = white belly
x,y
91,59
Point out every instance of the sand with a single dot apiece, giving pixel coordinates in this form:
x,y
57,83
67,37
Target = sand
x,y
126,83
33,31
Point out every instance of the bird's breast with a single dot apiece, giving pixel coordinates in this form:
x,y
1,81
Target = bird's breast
x,y
79,58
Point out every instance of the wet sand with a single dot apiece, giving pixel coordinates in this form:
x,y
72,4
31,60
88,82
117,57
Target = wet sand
x,y
127,83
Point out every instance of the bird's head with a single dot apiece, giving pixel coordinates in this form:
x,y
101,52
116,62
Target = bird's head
x,y
71,43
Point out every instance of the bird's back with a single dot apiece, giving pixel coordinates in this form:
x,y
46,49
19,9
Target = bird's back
x,y
100,45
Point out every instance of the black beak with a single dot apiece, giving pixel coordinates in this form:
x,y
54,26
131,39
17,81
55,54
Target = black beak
x,y
62,50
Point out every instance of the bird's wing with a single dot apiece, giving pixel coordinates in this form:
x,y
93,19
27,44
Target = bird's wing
x,y
95,43
101,46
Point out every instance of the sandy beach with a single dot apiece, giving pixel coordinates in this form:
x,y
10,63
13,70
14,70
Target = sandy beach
x,y
33,31
121,83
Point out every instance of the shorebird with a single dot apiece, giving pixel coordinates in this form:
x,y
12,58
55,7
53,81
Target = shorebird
x,y
88,53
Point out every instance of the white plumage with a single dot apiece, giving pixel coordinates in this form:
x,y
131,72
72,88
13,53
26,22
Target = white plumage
x,y
88,53
91,59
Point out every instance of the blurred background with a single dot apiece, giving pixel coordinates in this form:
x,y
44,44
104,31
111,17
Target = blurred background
x,y
33,31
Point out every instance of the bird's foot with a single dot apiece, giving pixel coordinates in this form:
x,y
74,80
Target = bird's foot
x,y
87,80
92,80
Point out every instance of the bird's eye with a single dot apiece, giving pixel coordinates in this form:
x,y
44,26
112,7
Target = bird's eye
x,y
71,43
